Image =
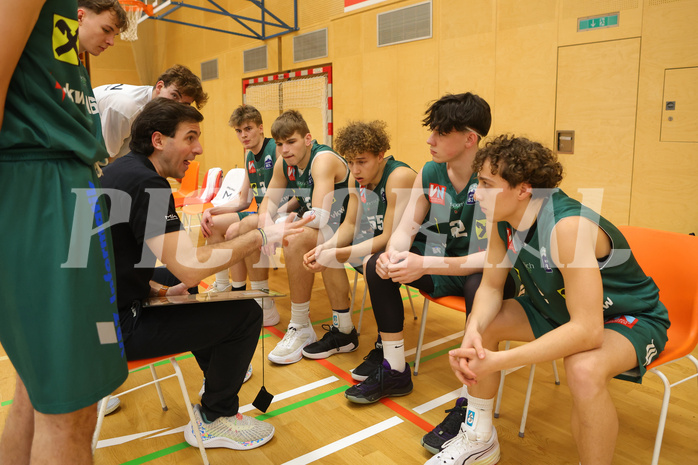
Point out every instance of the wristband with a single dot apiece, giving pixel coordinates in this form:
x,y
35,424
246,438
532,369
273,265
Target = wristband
x,y
162,292
264,236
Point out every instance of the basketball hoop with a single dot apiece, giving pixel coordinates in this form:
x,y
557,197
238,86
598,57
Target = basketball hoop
x,y
134,11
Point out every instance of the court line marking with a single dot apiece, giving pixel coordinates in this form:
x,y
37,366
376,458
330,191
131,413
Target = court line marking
x,y
294,392
435,343
345,442
4,357
170,431
432,404
124,439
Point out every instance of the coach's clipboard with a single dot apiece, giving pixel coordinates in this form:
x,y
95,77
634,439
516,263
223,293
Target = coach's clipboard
x,y
210,297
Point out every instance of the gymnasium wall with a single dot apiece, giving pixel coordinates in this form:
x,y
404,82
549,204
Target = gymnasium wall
x,y
634,160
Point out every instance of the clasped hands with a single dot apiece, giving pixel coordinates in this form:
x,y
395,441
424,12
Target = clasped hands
x,y
471,361
400,267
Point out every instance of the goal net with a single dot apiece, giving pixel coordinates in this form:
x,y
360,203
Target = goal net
x,y
307,94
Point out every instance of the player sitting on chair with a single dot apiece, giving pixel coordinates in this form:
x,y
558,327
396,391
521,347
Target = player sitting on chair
x,y
222,335
317,176
120,104
378,194
587,301
221,223
438,246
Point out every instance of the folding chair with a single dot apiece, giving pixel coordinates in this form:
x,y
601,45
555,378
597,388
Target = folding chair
x,y
458,303
669,259
150,362
529,388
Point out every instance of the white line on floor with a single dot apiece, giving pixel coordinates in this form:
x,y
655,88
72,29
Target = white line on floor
x,y
432,404
345,442
435,343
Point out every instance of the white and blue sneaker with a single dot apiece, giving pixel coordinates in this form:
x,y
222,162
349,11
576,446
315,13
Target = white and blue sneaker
x,y
464,450
238,432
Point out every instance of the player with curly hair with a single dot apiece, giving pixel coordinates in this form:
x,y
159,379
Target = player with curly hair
x,y
587,301
378,194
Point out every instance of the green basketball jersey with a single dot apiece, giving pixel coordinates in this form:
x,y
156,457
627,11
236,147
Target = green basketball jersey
x,y
261,168
626,288
301,184
455,224
51,80
373,203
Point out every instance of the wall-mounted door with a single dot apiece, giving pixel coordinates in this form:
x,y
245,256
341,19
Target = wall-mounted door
x,y
597,99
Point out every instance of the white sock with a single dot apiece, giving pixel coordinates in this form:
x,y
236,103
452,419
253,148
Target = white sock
x,y
300,314
394,353
478,418
222,279
256,285
239,284
341,319
464,391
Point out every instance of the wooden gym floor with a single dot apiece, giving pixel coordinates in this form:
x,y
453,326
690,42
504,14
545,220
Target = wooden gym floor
x,y
316,424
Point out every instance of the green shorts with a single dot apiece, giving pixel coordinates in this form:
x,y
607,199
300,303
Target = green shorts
x,y
59,322
443,285
646,331
242,215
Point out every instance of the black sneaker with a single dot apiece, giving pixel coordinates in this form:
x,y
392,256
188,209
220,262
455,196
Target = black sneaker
x,y
370,363
333,342
383,382
434,440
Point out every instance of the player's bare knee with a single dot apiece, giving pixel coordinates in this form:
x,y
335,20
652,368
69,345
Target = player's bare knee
x,y
584,376
233,231
301,243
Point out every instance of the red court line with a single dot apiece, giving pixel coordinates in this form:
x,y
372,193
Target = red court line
x,y
337,371
391,404
408,415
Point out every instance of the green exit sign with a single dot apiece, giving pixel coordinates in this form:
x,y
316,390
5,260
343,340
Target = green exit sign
x,y
597,22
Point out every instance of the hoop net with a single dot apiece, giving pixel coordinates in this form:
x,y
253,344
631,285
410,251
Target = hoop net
x,y
134,10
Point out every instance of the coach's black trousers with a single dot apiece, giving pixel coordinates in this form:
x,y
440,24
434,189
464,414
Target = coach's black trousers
x,y
222,336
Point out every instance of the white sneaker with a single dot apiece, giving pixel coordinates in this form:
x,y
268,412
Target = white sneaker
x,y
289,349
112,405
238,432
461,450
214,288
271,314
248,375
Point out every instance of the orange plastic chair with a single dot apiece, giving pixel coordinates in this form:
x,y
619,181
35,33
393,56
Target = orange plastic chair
x,y
196,202
670,259
190,182
135,365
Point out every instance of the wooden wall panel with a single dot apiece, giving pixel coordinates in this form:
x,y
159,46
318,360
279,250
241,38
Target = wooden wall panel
x,y
665,174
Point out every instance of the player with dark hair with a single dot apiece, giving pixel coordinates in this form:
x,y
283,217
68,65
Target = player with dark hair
x,y
120,104
222,335
587,301
438,247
